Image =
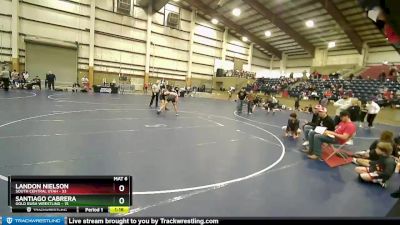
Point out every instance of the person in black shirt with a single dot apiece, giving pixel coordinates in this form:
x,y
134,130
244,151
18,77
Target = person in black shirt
x,y
311,125
297,103
364,158
354,110
382,169
396,194
241,96
292,128
324,121
51,77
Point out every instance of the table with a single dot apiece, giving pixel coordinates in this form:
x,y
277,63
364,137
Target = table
x,y
105,89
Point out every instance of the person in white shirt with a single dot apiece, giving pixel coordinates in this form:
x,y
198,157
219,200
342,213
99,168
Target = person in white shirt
x,y
26,76
373,110
85,82
155,92
341,105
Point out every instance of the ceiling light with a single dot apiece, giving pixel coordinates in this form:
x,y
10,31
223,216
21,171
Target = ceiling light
x,y
236,12
268,33
176,0
310,23
331,44
245,39
214,21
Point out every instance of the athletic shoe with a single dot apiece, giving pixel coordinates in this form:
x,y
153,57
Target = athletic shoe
x,y
354,160
314,157
250,113
158,112
396,194
306,143
360,153
177,114
306,150
360,126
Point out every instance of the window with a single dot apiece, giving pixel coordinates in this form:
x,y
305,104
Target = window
x,y
172,16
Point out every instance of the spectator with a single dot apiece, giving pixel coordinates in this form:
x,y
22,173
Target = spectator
x,y
344,131
26,76
36,81
85,83
341,105
5,79
324,121
382,76
308,126
382,169
324,102
145,87
364,158
15,78
373,109
354,110
250,101
241,96
292,127
297,103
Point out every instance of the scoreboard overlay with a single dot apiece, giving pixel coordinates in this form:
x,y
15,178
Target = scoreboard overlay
x,y
63,194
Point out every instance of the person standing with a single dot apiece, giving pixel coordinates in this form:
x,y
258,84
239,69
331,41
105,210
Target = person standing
x,y
241,96
5,79
85,83
51,77
354,110
341,105
155,92
250,102
324,101
373,109
145,87
297,103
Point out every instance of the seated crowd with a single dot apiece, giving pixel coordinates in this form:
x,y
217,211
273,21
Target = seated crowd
x,y
375,165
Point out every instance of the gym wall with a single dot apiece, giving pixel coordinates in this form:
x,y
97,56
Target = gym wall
x,y
120,40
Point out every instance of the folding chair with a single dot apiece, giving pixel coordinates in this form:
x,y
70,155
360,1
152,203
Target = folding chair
x,y
339,150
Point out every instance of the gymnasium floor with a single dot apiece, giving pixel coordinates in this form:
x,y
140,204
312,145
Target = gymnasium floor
x,y
205,162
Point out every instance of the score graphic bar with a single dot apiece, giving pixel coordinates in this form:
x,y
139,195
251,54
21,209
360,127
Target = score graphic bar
x,y
69,191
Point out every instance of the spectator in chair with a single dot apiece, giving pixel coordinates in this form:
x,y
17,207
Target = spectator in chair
x,y
324,120
363,158
382,169
344,131
308,126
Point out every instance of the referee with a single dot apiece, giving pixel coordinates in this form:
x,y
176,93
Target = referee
x,y
155,89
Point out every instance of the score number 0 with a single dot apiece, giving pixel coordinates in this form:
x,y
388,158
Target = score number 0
x,y
121,200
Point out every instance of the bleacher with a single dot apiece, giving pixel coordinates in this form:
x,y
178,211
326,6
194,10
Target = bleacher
x,y
373,71
362,89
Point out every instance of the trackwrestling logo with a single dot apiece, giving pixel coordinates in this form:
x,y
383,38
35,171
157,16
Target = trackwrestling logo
x,y
33,220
